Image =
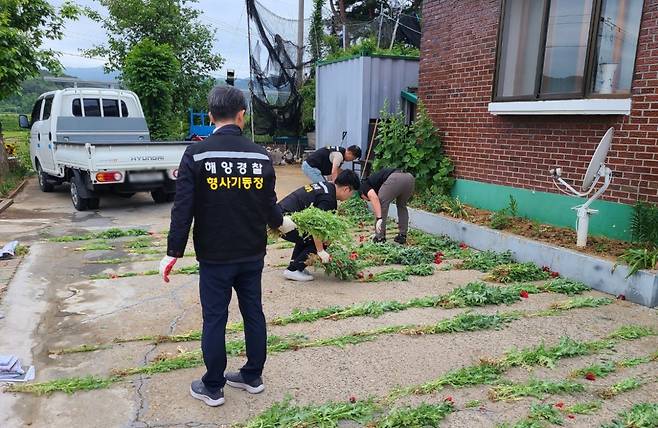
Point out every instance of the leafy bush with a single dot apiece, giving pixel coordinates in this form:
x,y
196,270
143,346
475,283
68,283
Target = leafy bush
x,y
644,224
307,93
639,258
368,47
500,219
416,149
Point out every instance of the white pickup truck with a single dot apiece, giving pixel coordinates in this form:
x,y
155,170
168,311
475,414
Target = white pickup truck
x,y
97,140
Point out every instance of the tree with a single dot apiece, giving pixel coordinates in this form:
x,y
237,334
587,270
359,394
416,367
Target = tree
x,y
164,22
24,27
149,70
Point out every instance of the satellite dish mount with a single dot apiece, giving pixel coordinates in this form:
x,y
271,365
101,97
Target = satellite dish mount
x,y
595,171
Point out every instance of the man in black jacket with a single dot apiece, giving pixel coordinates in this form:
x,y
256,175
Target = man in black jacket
x,y
323,195
326,162
226,185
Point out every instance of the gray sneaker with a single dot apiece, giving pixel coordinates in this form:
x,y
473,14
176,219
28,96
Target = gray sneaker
x,y
235,380
198,390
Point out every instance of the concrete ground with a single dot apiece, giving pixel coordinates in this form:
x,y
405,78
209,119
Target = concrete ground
x,y
51,303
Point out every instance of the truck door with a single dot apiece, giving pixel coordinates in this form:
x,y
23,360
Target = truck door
x,y
46,137
35,118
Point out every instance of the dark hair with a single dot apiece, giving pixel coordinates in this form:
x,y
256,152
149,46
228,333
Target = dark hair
x,y
348,178
224,102
356,151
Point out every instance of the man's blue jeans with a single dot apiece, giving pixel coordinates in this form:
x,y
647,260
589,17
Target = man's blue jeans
x,y
313,174
215,288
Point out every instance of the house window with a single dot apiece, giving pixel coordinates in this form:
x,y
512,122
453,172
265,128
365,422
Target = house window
x,y
566,49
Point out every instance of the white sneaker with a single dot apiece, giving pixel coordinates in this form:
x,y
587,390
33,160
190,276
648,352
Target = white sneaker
x,y
295,275
307,272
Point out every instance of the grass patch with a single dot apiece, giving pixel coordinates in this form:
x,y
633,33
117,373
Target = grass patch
x,y
420,416
143,242
67,385
95,246
286,415
622,386
533,388
642,415
112,233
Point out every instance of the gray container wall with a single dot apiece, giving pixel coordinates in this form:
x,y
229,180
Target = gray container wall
x,y
350,93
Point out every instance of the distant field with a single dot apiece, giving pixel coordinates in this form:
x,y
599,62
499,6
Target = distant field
x,y
9,122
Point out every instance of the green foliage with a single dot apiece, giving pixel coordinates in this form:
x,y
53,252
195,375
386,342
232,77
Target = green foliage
x,y
112,233
484,261
149,70
368,47
433,243
642,415
631,332
465,322
67,385
545,412
639,258
587,408
500,219
622,386
598,370
420,416
582,302
95,246
179,26
25,26
323,225
355,210
565,286
541,355
307,93
513,206
341,265
644,224
534,388
517,272
484,373
286,415
480,294
454,208
416,149
143,242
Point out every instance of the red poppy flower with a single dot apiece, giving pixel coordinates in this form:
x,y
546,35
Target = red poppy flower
x,y
545,268
354,255
370,276
571,416
621,297
352,399
437,260
463,246
524,294
590,376
555,274
449,399
114,276
559,405
438,254
362,238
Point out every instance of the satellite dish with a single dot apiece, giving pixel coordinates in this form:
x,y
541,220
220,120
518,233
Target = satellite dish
x,y
595,171
598,159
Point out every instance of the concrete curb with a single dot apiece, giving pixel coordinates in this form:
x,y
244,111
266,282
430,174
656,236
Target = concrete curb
x,y
641,288
6,203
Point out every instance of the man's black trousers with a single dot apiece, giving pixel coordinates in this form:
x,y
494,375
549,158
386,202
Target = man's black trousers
x,y
303,248
215,288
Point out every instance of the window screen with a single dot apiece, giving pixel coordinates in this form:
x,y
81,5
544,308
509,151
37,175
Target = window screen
x,y
92,107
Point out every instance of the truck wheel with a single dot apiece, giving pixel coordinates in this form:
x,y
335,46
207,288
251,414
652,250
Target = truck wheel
x,y
79,202
44,185
160,196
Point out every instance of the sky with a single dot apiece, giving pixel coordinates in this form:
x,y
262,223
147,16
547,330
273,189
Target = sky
x,y
229,17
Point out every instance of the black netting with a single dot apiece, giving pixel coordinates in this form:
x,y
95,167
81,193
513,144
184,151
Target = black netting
x,y
276,101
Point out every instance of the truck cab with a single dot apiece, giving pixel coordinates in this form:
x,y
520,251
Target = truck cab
x,y
97,139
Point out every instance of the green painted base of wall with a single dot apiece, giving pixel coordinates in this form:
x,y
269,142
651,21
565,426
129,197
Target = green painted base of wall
x,y
613,219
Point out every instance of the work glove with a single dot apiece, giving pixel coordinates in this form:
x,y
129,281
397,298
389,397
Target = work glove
x,y
378,226
287,226
324,256
166,265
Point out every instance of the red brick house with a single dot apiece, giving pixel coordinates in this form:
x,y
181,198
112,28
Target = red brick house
x,y
517,87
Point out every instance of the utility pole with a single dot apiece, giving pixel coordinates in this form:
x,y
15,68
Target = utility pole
x,y
300,44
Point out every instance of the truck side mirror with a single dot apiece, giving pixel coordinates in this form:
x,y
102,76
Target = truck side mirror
x,y
23,122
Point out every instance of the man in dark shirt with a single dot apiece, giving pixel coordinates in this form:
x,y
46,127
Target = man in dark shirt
x,y
323,195
382,188
226,185
327,161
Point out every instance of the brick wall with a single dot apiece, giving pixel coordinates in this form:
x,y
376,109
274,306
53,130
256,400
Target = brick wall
x,y
457,66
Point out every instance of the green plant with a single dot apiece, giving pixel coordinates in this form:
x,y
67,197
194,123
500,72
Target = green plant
x,y
639,258
642,415
534,388
598,370
644,224
545,412
95,246
341,265
67,385
323,225
586,408
355,210
630,332
416,148
516,272
541,355
620,387
513,206
420,416
112,233
480,294
484,261
307,94
500,219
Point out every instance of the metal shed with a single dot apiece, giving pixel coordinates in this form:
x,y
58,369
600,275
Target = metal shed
x,y
351,92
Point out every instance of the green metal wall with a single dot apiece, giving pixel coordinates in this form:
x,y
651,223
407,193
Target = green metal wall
x,y
613,219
